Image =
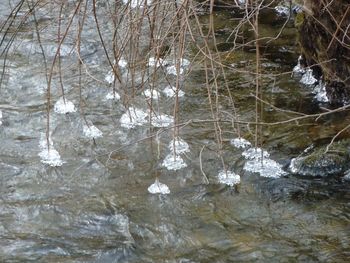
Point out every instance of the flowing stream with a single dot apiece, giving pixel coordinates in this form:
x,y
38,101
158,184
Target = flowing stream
x,y
95,205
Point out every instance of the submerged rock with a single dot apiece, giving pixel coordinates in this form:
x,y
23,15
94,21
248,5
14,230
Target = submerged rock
x,y
322,161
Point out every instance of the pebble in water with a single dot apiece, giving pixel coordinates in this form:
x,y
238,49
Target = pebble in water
x,y
170,91
158,188
133,117
63,106
240,143
180,146
228,178
174,162
91,131
308,78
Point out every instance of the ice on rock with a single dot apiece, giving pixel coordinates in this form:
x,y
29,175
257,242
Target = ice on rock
x,y
282,10
228,178
240,143
308,78
171,70
321,94
50,157
154,62
255,154
63,106
174,162
151,94
133,117
170,91
180,146
158,188
265,167
299,69
113,95
91,131
162,121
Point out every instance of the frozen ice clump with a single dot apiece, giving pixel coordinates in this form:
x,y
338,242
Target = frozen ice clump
x,y
171,70
174,162
308,78
170,91
184,63
240,143
122,63
265,167
180,146
282,10
255,153
133,117
63,106
321,94
151,94
113,95
158,188
229,178
134,3
110,77
91,131
50,157
298,68
154,62
162,120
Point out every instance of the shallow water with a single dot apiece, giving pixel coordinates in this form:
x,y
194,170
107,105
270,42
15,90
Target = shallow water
x,y
96,206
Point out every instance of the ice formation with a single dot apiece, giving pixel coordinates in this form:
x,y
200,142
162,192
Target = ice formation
x,y
180,146
308,78
162,120
265,167
110,77
133,117
48,155
151,94
154,62
320,91
113,95
229,178
91,131
0,117
64,106
171,70
240,143
282,10
299,69
184,63
255,153
134,3
158,188
122,63
174,162
170,91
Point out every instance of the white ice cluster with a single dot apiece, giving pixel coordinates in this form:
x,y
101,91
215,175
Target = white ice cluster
x,y
299,69
63,106
240,143
179,146
133,117
162,120
113,95
320,91
308,78
170,91
255,153
174,162
91,131
151,94
154,62
48,155
158,188
228,178
282,10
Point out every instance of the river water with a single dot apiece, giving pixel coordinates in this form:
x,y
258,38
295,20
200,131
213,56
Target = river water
x,y
96,206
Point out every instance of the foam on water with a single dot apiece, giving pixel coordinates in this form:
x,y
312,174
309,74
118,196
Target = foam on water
x,y
151,94
180,146
308,78
64,106
50,157
158,188
170,91
162,120
265,167
240,143
299,69
255,154
171,70
113,95
133,117
228,178
174,162
91,132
